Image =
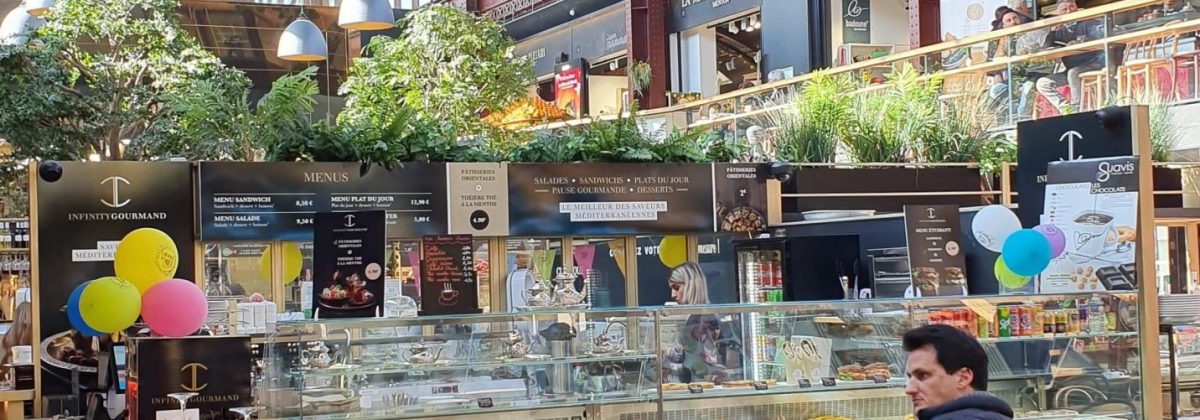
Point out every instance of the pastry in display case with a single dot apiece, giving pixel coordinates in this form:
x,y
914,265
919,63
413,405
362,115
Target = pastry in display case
x,y
1049,355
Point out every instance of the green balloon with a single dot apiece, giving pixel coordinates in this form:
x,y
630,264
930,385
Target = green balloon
x,y
1008,278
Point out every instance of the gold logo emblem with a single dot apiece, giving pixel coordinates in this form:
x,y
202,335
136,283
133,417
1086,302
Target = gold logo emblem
x,y
194,385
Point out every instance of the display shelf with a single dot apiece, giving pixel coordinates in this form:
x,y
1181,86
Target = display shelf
x,y
780,389
471,406
461,365
14,250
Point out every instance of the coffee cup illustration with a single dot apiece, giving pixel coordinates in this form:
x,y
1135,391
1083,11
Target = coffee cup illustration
x,y
448,296
1095,233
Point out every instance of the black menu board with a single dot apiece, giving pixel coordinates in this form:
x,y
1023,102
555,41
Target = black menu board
x,y
610,198
935,253
277,200
448,283
348,261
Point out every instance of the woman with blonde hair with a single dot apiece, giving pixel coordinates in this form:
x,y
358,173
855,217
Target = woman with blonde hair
x,y
20,334
689,286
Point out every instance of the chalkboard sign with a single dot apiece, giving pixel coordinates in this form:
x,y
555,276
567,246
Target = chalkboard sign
x,y
448,283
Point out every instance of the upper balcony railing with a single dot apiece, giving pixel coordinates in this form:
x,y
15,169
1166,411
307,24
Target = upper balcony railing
x,y
1139,45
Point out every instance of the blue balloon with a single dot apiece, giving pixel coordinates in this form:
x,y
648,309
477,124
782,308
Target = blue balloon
x,y
1026,252
73,315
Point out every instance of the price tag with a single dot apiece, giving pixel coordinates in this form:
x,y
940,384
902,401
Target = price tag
x,y
695,389
485,403
760,385
830,381
804,383
879,379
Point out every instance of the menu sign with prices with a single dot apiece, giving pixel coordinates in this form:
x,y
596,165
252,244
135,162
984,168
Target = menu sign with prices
x,y
1094,202
741,197
478,198
348,264
448,283
934,235
277,201
610,199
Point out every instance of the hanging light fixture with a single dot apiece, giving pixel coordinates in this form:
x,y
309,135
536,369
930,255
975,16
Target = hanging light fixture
x,y
302,40
755,22
366,15
38,7
16,24
733,29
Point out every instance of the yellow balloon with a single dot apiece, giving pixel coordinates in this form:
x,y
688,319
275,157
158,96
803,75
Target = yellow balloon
x,y
110,304
145,257
293,262
672,251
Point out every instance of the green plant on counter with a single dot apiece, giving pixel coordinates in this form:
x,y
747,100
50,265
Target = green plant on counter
x,y
216,121
889,125
447,65
96,75
1165,132
808,131
962,131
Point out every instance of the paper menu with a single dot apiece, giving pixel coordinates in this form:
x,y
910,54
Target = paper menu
x,y
807,358
1094,202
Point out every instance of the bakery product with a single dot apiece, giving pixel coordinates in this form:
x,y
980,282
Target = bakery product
x,y
851,372
675,387
878,369
736,384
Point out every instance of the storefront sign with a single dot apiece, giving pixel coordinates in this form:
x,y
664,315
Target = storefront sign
x,y
1070,137
478,198
599,35
856,21
610,199
448,283
348,264
1095,204
568,91
934,251
216,368
277,201
687,14
82,217
741,197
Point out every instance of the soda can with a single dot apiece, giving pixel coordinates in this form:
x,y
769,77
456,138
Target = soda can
x,y
1003,315
1027,321
1014,316
985,327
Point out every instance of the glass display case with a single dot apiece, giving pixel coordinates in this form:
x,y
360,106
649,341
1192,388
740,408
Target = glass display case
x,y
1069,356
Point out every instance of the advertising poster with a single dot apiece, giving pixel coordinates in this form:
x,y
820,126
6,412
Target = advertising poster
x,y
216,368
568,91
1069,137
962,19
478,198
348,264
934,252
448,277
1094,203
243,201
81,217
856,21
806,357
741,190
610,199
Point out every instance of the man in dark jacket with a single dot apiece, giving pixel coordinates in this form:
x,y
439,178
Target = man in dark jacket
x,y
947,376
1075,65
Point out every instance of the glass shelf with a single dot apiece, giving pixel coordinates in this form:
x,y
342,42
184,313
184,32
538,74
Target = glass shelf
x,y
472,406
464,365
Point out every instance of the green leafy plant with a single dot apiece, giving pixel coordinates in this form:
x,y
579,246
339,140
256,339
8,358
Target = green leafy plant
x,y
96,74
808,130
639,76
215,120
1165,132
889,124
447,65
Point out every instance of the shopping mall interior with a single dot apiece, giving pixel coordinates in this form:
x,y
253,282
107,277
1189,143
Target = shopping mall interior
x,y
773,209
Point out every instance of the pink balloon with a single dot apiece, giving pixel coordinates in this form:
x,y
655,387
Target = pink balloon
x,y
174,308
1056,237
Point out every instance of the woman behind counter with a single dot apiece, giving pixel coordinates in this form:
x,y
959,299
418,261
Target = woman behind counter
x,y
707,350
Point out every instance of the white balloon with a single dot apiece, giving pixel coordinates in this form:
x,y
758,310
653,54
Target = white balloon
x,y
993,224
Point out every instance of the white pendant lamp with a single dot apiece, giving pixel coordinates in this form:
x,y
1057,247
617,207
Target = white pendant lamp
x,y
302,40
16,24
366,15
38,7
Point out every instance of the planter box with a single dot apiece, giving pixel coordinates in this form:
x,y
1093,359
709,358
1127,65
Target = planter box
x,y
883,189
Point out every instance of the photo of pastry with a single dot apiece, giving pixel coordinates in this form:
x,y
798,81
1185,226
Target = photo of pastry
x,y
346,293
926,279
954,275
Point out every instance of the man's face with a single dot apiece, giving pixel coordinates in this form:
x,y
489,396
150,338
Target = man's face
x,y
1068,7
929,385
1010,19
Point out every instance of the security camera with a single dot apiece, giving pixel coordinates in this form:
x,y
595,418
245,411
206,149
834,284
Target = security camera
x,y
1113,118
50,171
781,171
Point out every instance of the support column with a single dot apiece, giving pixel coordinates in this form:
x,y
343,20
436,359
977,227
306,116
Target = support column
x,y
646,23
